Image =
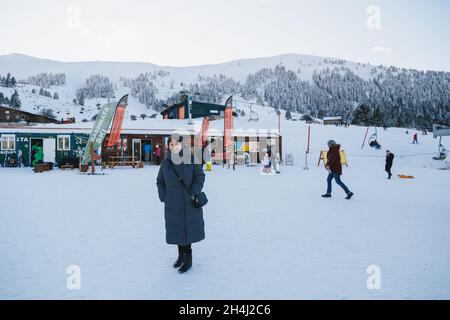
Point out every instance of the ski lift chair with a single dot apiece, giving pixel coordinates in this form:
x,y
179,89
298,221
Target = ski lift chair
x,y
253,115
442,153
373,141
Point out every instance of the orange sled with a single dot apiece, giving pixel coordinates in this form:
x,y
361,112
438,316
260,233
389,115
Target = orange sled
x,y
402,176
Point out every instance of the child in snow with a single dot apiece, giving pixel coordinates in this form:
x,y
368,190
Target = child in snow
x,y
415,141
389,161
334,168
266,164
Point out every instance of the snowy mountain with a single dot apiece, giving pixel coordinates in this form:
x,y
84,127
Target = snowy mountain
x,y
23,66
299,83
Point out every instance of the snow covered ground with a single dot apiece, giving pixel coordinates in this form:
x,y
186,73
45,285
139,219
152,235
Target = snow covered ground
x,y
268,237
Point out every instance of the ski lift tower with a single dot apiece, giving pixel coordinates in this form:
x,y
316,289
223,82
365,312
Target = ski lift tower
x,y
440,131
279,120
190,97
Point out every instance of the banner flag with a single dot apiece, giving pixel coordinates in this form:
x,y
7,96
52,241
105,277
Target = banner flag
x,y
203,132
98,133
116,127
228,123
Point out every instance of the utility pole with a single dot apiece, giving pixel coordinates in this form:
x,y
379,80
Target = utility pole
x,y
279,121
190,108
189,98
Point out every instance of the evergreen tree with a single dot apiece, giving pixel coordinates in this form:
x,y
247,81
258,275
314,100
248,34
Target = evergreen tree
x,y
8,80
377,117
288,115
363,115
80,97
15,100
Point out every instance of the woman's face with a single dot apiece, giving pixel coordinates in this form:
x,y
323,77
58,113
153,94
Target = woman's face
x,y
175,146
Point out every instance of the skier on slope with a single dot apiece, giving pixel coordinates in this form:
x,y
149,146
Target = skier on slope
x,y
415,141
389,160
334,168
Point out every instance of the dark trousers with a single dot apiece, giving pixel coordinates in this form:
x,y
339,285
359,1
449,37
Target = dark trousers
x,y
185,249
388,170
337,178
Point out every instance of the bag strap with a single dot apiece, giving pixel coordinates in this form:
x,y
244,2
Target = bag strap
x,y
179,178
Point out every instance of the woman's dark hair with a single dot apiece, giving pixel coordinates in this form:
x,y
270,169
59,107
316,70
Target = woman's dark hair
x,y
179,139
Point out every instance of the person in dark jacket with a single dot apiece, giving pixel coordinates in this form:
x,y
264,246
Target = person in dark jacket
x,y
334,168
389,160
184,223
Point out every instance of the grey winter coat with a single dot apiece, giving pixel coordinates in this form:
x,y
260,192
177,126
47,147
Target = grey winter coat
x,y
184,223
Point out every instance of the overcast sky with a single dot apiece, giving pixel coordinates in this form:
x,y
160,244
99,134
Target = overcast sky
x,y
410,33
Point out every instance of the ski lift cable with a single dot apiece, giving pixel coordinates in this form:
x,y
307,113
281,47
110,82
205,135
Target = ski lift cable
x,y
248,103
369,156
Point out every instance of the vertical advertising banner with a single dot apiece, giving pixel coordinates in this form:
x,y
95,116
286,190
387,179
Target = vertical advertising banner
x,y
116,127
203,132
228,126
98,133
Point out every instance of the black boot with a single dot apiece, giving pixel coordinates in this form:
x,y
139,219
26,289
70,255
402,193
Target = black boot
x,y
187,261
326,195
179,260
349,195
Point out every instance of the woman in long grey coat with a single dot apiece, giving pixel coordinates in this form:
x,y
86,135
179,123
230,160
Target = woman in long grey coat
x,y
184,222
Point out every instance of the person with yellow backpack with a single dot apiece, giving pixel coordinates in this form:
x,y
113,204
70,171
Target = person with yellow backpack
x,y
207,156
334,168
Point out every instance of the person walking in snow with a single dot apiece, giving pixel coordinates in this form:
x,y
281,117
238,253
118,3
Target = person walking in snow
x,y
207,156
147,151
231,160
334,169
158,154
277,162
415,141
389,160
184,223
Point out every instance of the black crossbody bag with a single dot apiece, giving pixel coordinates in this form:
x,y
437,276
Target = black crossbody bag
x,y
199,200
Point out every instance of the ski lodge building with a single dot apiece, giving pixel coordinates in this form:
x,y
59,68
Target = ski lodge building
x,y
68,141
198,110
332,120
9,115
